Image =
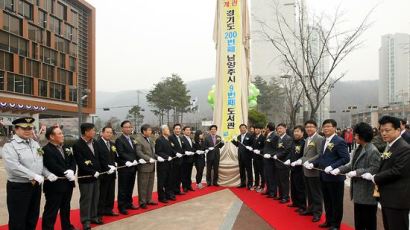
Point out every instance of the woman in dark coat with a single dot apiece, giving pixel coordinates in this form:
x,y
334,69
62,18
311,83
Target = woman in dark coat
x,y
199,159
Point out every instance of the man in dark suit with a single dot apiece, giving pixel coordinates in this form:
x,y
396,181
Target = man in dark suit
x,y
213,143
59,161
164,151
269,149
107,181
393,177
146,170
334,154
282,162
188,163
257,146
404,133
244,143
296,172
176,144
127,156
88,158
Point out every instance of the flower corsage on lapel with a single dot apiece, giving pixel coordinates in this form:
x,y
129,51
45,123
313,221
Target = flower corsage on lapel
x,y
386,155
280,145
113,149
311,144
40,152
88,162
330,146
298,148
68,151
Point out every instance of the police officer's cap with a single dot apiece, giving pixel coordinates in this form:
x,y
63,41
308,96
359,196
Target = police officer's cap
x,y
24,122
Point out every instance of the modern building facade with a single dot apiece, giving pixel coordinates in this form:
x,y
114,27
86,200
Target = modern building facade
x,y
394,69
47,58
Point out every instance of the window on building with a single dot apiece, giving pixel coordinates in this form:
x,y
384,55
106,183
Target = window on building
x,y
32,68
34,51
73,95
8,61
21,65
73,50
4,41
1,80
74,18
23,47
61,11
19,84
12,24
49,5
26,9
9,5
48,72
72,64
35,33
57,91
55,25
62,60
42,88
42,19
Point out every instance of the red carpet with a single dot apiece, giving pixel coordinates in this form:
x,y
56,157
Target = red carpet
x,y
279,216
75,214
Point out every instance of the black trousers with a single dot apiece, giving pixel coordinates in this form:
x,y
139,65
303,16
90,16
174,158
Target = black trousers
x,y
23,205
164,181
395,219
259,174
56,201
245,170
199,166
186,174
282,174
212,164
89,196
107,194
297,187
365,217
333,193
126,182
177,174
314,195
270,176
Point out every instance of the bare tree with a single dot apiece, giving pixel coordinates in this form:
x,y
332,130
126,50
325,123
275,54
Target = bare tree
x,y
307,44
294,92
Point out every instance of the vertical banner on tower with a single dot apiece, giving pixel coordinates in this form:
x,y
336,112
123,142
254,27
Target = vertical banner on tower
x,y
230,67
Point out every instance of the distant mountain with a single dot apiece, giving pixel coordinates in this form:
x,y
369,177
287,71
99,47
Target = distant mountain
x,y
120,102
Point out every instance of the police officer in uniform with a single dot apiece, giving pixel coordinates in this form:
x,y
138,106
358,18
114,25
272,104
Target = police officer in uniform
x,y
23,160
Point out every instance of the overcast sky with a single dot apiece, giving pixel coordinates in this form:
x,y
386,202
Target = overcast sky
x,y
139,42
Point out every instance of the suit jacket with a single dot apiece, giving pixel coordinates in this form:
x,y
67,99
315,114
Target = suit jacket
x,y
285,146
88,162
108,156
297,152
406,136
311,152
258,143
163,148
177,148
393,177
214,154
271,144
126,151
145,150
199,146
186,146
335,157
364,159
244,153
57,164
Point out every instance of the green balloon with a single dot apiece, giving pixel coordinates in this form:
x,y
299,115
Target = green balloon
x,y
252,103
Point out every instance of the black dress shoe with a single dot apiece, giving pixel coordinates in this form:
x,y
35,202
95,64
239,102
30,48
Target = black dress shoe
x,y
284,201
208,184
86,226
315,219
152,203
111,214
143,206
292,206
185,190
276,198
172,198
133,207
163,201
271,196
324,225
216,185
191,189
306,213
123,211
97,221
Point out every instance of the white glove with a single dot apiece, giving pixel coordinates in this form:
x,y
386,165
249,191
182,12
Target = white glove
x,y
189,153
128,164
298,162
287,162
112,169
69,174
39,179
335,172
249,148
135,162
257,151
275,157
351,174
206,151
151,160
96,174
211,148
200,152
308,165
328,169
71,178
52,177
368,176
267,156
169,158
160,159
142,161
179,155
